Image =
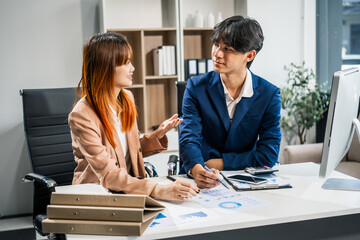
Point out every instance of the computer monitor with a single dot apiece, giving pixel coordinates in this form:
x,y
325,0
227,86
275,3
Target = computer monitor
x,y
342,119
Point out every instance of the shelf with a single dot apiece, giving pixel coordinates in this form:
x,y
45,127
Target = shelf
x,y
161,77
159,29
198,29
154,39
135,86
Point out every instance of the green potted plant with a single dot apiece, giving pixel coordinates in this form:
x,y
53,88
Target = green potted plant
x,y
303,101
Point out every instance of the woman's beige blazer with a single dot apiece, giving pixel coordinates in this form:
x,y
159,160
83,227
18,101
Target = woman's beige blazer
x,y
98,162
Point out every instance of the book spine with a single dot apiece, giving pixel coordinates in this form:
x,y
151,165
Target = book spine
x,y
156,61
172,60
161,61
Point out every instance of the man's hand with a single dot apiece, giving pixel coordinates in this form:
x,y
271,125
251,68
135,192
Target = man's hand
x,y
203,178
217,163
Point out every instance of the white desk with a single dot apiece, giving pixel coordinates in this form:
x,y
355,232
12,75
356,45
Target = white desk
x,y
304,211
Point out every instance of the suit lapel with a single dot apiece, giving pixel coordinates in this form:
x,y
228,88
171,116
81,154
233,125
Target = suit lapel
x,y
133,140
119,152
244,105
217,97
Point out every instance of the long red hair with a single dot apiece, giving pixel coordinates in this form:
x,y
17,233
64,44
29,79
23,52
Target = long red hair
x,y
101,54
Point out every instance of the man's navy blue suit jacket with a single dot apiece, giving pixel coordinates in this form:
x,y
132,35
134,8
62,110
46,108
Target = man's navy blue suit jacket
x,y
252,139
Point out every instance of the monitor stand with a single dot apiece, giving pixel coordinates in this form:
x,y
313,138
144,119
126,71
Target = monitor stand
x,y
343,183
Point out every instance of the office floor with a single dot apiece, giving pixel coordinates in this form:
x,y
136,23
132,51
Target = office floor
x,y
18,228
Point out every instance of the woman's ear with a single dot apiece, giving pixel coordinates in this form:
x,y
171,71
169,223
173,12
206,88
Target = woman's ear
x,y
250,55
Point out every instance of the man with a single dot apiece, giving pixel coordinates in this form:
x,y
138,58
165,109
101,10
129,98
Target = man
x,y
231,116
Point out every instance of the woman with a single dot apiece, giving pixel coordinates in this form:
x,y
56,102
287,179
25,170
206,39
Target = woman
x,y
105,136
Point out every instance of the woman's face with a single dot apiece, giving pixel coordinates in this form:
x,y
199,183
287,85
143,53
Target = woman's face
x,y
124,75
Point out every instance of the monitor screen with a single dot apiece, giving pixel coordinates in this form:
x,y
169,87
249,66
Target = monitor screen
x,y
342,119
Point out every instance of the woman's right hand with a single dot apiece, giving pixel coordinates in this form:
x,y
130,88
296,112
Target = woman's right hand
x,y
178,190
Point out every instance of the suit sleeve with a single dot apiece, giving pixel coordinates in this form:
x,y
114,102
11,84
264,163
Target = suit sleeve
x,y
190,130
150,144
86,137
268,144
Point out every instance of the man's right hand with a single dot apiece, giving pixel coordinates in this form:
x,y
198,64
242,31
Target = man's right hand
x,y
203,178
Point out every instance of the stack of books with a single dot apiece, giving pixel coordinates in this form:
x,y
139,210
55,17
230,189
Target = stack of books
x,y
164,58
103,214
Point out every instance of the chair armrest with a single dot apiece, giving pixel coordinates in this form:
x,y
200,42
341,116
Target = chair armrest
x,y
49,182
303,153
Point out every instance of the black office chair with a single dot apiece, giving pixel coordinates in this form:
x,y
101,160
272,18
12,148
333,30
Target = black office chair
x,y
49,144
180,89
48,138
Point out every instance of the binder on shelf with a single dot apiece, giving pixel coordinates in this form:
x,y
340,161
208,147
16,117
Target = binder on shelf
x,y
164,60
172,60
195,67
190,68
201,66
107,214
209,65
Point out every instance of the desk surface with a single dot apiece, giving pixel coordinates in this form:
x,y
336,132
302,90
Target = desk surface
x,y
305,201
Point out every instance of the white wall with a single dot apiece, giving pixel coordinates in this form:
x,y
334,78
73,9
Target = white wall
x,y
40,45
189,8
289,30
132,14
289,36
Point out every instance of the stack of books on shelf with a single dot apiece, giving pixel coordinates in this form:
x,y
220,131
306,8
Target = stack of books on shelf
x,y
164,58
103,214
194,67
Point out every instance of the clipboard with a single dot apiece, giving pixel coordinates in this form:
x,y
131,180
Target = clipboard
x,y
268,186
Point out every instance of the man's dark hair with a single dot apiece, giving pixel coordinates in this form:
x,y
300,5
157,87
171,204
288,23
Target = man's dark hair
x,y
241,33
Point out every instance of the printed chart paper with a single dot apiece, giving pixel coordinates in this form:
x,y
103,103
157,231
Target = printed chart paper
x,y
227,201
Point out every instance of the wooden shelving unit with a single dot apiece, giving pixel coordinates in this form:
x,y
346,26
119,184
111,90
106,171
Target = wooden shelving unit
x,y
155,96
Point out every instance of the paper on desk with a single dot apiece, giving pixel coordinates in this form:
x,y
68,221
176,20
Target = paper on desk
x,y
176,215
227,201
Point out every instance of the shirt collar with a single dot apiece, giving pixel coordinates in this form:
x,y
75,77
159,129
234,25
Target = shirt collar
x,y
246,91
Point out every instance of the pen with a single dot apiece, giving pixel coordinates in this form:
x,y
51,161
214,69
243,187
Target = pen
x,y
229,182
174,179
171,178
209,170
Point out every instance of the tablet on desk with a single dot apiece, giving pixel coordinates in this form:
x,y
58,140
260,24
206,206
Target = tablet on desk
x,y
247,179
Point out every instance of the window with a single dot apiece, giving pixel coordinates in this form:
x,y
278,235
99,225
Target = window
x,y
351,34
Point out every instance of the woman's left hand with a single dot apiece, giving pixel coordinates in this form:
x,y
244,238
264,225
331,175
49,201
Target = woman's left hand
x,y
168,124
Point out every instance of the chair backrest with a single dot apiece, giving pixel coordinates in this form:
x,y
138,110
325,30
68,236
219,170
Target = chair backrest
x,y
47,132
180,86
180,89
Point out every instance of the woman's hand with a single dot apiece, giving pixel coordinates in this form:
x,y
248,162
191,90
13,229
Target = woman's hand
x,y
168,124
178,190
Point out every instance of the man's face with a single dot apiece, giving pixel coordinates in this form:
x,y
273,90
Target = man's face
x,y
227,60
